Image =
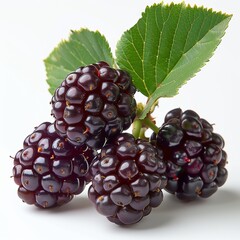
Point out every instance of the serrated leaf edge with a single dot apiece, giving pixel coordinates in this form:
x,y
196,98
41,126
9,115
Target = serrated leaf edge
x,y
154,97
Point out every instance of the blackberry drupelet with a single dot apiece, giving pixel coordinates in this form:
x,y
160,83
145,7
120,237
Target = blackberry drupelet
x,y
193,153
93,104
128,179
49,170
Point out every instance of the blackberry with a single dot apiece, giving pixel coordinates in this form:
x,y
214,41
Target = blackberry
x,y
193,153
128,179
94,103
49,170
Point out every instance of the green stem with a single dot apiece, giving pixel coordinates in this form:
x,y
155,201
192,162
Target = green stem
x,y
137,126
142,134
140,126
150,124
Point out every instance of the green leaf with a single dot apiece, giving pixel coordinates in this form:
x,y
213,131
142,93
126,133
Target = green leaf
x,y
168,46
82,48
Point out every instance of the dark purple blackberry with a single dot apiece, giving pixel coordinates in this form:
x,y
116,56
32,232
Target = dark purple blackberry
x,y
128,179
93,104
193,153
49,170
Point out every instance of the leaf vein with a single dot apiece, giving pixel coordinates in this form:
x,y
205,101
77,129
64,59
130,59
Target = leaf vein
x,y
87,49
140,58
184,55
129,62
144,48
73,55
173,39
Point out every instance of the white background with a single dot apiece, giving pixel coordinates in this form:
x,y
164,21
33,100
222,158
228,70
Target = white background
x,y
29,30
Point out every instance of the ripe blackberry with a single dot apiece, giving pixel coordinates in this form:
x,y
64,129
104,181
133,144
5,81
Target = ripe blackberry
x,y
48,170
128,179
193,153
94,103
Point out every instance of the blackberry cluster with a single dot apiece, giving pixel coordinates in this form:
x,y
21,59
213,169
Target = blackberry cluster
x,y
128,177
193,153
92,107
49,170
93,104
